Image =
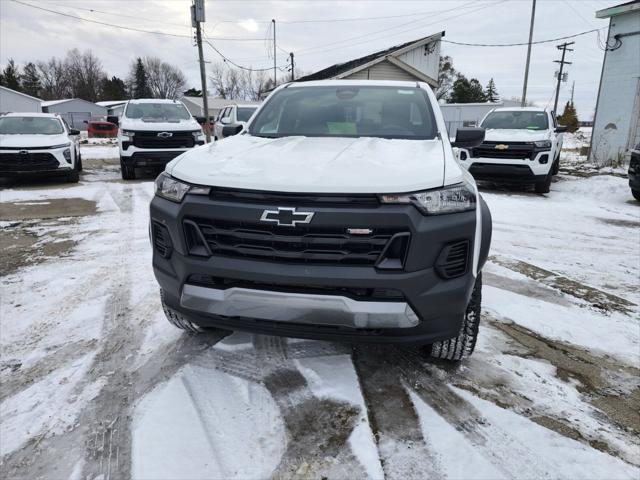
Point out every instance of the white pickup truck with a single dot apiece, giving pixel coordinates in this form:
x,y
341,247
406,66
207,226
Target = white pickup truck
x,y
521,145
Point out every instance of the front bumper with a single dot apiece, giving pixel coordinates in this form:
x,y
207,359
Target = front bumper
x,y
507,173
316,300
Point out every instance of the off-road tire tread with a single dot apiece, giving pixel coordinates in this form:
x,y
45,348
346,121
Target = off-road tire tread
x,y
128,173
636,194
464,343
179,320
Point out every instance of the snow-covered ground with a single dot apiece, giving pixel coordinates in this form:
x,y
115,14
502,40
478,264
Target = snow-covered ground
x,y
97,384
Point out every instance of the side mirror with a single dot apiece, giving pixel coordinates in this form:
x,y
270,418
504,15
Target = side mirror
x,y
200,120
113,119
85,121
231,130
468,137
225,120
73,131
561,129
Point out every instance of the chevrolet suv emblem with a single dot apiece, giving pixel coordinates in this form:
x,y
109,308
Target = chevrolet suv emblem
x,y
165,134
501,146
286,217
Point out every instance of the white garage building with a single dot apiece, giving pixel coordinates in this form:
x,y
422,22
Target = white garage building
x,y
12,101
75,111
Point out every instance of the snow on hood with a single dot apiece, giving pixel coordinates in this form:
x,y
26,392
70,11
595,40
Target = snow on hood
x,y
515,135
32,140
139,124
314,164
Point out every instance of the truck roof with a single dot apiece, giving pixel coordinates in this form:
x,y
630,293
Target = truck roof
x,y
154,100
362,83
520,109
31,114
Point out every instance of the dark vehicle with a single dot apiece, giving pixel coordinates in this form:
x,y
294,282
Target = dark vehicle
x,y
634,172
339,213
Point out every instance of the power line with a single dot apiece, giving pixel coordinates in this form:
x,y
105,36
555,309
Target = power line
x,y
121,15
228,60
523,43
123,27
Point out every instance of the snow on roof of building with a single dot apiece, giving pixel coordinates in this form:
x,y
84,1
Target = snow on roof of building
x,y
19,93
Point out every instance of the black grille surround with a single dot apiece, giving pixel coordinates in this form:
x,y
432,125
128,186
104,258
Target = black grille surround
x,y
515,150
28,162
304,244
294,199
150,139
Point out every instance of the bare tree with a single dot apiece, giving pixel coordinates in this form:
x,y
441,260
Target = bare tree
x,y
164,80
55,80
239,84
85,74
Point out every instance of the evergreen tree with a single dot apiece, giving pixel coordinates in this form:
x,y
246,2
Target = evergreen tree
x,y
491,93
140,86
31,83
192,92
569,117
466,91
113,89
11,76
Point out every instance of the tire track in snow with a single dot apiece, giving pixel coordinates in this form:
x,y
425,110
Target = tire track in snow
x,y
402,447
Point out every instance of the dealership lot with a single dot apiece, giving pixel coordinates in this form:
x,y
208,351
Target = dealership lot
x,y
95,380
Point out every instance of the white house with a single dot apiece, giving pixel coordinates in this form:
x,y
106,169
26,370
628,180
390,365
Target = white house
x,y
617,120
12,101
114,107
75,111
417,60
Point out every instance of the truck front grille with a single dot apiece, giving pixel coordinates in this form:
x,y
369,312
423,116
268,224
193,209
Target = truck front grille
x,y
152,140
308,244
514,150
27,162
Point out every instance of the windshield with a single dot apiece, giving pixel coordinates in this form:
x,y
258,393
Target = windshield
x,y
30,125
518,120
244,113
157,112
347,111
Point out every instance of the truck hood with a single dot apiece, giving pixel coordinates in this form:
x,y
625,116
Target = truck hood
x,y
314,164
519,135
141,125
30,140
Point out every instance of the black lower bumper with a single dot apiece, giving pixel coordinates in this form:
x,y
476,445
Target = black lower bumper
x,y
58,172
504,173
439,303
150,159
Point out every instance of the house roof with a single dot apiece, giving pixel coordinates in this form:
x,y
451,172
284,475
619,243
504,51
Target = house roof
x,y
340,70
20,93
50,103
618,9
214,102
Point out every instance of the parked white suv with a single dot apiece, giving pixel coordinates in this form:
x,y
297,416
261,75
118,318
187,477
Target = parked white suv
x,y
338,213
237,115
522,145
38,144
153,132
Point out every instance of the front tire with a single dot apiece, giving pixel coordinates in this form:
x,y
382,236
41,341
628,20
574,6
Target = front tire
x,y
128,172
462,346
636,194
544,186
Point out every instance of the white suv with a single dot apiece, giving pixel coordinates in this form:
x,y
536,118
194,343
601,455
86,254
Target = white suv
x,y
522,145
38,144
153,132
237,115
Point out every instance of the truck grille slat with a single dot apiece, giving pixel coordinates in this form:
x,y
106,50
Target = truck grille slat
x,y
515,150
320,245
143,139
27,162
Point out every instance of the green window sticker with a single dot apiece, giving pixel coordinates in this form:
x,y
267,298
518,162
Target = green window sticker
x,y
342,128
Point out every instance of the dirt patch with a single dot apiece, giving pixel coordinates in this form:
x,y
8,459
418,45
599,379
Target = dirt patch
x,y
597,298
50,208
565,430
620,223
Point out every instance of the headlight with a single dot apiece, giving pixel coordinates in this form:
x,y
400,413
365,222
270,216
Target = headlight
x,y
127,134
455,198
543,144
67,155
175,190
62,145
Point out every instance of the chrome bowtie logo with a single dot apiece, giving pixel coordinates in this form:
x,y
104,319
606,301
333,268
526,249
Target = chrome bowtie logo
x,y
23,152
165,134
501,146
286,217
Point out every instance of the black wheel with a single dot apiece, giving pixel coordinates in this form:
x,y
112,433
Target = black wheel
x,y
79,162
73,176
183,323
544,186
462,346
636,194
556,166
128,173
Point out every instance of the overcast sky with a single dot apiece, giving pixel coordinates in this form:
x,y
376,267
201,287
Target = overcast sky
x,y
321,33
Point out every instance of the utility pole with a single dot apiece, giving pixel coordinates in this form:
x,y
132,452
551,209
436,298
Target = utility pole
x,y
292,66
573,87
526,68
562,62
274,52
197,16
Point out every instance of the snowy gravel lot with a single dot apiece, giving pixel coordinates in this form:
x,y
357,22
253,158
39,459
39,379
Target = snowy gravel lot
x,y
97,385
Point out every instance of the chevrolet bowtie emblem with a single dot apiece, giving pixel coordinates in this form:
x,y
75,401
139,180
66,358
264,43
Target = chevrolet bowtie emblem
x,y
501,146
286,217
